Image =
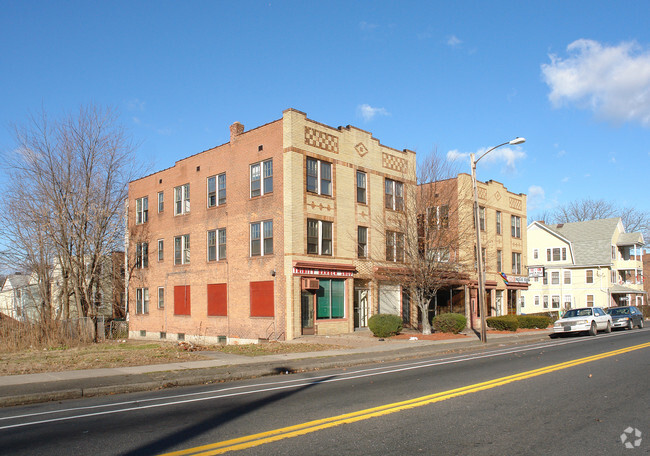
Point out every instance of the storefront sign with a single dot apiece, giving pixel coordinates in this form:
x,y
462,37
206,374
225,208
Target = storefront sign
x,y
508,279
322,272
536,272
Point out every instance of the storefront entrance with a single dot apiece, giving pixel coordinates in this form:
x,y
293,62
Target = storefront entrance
x,y
360,307
307,312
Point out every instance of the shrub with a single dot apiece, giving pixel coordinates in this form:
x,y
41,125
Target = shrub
x,y
533,321
552,314
384,325
646,311
503,323
450,322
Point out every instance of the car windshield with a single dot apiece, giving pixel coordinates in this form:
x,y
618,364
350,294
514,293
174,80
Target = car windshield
x,y
577,313
619,311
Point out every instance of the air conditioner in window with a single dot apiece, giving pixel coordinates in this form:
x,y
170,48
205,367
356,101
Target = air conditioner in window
x,y
309,284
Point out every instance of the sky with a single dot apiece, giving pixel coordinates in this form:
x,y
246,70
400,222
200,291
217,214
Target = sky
x,y
573,78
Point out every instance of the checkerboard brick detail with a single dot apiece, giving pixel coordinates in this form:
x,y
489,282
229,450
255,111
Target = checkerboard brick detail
x,y
322,140
392,162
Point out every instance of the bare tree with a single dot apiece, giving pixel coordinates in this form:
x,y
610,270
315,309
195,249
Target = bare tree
x,y
428,237
64,202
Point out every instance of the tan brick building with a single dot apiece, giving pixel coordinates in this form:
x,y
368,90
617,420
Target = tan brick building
x,y
275,234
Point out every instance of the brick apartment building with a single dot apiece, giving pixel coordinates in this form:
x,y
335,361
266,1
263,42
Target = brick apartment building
x,y
277,233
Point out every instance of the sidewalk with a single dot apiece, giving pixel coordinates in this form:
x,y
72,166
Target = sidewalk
x,y
362,348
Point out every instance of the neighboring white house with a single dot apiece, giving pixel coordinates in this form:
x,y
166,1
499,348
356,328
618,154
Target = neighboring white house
x,y
583,264
19,297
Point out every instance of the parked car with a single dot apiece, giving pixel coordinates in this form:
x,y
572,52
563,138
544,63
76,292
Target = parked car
x,y
587,319
626,317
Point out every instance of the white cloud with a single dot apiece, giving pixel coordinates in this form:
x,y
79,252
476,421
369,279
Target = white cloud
x,y
611,81
368,113
565,179
560,153
454,155
536,197
504,154
454,41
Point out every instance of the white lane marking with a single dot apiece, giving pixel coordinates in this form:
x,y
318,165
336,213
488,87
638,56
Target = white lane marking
x,y
286,384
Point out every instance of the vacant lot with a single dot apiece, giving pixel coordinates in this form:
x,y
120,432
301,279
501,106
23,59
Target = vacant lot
x,y
132,353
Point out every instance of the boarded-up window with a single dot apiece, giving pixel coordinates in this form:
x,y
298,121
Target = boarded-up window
x,y
262,299
217,300
182,300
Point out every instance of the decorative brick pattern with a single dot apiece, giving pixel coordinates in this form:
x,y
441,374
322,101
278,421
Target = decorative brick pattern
x,y
482,193
515,204
497,196
361,149
392,162
322,140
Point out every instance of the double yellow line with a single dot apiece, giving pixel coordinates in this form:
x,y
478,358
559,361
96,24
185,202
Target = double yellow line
x,y
316,425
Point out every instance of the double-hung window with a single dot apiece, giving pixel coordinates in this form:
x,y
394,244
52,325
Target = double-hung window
x,y
217,190
394,246
142,255
217,244
362,242
141,210
515,226
394,195
182,199
319,177
161,297
261,178
262,238
498,222
161,250
555,278
319,237
161,201
481,218
142,301
182,249
516,263
589,276
499,261
361,187
567,277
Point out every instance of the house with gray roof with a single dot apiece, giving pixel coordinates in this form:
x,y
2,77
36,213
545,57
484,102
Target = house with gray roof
x,y
583,264
20,298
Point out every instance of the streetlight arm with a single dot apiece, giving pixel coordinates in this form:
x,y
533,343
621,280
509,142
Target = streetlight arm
x,y
489,150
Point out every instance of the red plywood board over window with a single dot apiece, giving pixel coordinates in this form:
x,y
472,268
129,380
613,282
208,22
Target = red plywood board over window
x,y
262,299
182,300
217,300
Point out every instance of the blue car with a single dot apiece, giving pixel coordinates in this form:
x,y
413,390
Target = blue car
x,y
626,317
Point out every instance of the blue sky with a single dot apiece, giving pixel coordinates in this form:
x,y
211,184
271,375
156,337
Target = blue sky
x,y
573,78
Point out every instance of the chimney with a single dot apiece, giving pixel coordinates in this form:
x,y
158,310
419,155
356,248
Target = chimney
x,y
236,129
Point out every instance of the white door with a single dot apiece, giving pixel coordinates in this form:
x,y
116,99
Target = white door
x,y
389,299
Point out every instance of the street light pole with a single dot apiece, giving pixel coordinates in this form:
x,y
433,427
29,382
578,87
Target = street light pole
x,y
477,226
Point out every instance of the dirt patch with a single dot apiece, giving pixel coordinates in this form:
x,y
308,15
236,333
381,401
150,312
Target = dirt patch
x,y
434,336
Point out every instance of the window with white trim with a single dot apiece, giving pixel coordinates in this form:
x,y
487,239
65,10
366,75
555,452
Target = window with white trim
x,y
361,187
590,300
141,210
362,242
182,249
589,276
499,261
161,250
393,195
161,201
142,255
319,177
217,190
555,278
535,254
481,218
394,246
515,226
498,222
555,302
545,301
261,178
567,277
568,301
141,301
319,237
516,263
262,238
182,199
217,244
536,300
161,297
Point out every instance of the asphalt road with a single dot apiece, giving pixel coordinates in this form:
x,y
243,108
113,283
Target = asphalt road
x,y
573,395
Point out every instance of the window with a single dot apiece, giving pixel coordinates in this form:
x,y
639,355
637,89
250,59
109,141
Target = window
x,y
142,301
217,190
545,278
567,277
516,263
613,252
261,178
498,222
161,297
535,254
217,244
589,276
319,177
262,238
142,255
161,201
545,302
568,299
536,300
612,276
319,237
394,195
394,246
438,255
555,302
590,300
556,254
555,278
182,199
182,249
182,305
161,250
515,226
141,210
362,242
361,187
330,299
481,218
217,300
499,261
563,253
262,299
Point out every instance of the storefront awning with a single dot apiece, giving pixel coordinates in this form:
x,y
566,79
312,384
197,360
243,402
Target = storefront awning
x,y
620,289
314,268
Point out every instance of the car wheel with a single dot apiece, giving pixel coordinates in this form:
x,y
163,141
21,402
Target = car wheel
x,y
630,325
608,329
593,330
641,324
